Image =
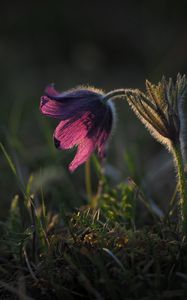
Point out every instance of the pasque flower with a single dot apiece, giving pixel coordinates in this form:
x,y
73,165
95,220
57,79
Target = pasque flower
x,y
86,120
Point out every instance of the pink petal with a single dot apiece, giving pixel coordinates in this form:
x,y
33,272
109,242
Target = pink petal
x,y
85,149
101,144
51,91
50,107
71,131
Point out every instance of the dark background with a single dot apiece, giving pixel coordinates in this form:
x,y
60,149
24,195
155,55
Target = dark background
x,y
107,44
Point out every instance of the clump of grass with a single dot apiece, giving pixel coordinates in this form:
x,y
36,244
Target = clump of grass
x,y
94,258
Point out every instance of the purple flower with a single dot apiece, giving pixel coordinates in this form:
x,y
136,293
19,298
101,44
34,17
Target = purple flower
x,y
85,121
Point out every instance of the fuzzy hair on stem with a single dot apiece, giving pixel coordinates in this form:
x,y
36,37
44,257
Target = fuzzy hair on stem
x,y
162,111
182,111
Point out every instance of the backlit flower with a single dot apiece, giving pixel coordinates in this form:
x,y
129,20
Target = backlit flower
x,y
86,120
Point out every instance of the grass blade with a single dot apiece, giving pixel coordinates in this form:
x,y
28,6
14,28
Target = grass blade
x,y
8,159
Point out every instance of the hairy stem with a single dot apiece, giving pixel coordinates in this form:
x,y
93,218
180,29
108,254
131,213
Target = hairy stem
x,y
182,186
119,93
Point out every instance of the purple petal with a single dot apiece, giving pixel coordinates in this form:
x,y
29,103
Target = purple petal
x,y
85,149
104,133
78,94
67,107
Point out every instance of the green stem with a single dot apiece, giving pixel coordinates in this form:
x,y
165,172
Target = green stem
x,y
182,186
88,181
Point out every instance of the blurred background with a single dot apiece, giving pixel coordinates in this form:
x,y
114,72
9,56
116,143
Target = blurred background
x,y
106,44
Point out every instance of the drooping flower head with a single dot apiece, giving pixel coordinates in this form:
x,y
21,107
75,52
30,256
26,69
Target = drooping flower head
x,y
85,119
